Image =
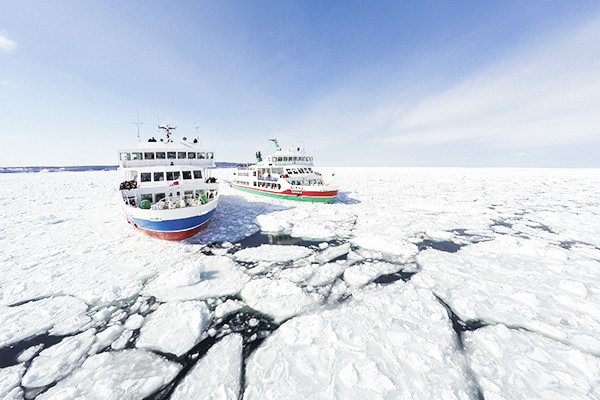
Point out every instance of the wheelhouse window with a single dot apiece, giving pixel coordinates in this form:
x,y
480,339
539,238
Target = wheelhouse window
x,y
171,155
187,174
209,156
125,156
145,177
136,156
197,174
181,154
159,176
201,155
191,155
149,156
172,175
160,155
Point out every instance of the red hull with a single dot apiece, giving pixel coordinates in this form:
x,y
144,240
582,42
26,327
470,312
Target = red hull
x,y
176,235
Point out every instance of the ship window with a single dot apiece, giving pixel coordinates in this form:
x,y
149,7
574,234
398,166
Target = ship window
x,y
159,176
188,194
145,177
197,174
160,196
187,174
160,155
136,156
209,156
149,156
125,156
172,175
191,155
146,197
181,154
171,155
201,155
285,158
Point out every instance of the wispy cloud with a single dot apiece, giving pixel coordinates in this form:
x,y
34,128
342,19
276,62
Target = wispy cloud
x,y
6,45
545,95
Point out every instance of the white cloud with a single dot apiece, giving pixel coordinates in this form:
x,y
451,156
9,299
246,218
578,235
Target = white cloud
x,y
6,45
542,96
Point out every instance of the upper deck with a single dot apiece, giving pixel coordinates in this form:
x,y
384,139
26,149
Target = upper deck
x,y
148,154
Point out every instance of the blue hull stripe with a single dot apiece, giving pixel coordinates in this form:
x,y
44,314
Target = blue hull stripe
x,y
172,225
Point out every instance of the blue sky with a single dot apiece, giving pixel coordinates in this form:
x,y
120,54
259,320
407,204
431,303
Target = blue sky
x,y
358,83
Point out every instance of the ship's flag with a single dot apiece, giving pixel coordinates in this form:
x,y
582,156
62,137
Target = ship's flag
x,y
175,183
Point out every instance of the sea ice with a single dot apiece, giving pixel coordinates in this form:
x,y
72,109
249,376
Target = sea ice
x,y
520,282
281,299
128,374
512,364
58,361
361,274
9,382
215,376
218,276
36,317
386,342
174,327
272,253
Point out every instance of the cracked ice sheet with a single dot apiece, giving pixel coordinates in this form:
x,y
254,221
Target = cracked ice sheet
x,y
205,277
520,282
310,221
516,364
58,361
217,375
272,253
128,374
174,327
37,317
278,298
389,342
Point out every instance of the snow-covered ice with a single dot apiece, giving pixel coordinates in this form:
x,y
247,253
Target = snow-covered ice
x,y
175,327
217,375
384,343
128,374
414,283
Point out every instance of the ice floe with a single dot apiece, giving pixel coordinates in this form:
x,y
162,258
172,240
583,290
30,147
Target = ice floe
x,y
520,282
128,374
280,299
174,327
388,343
37,317
58,361
211,276
217,375
512,364
9,382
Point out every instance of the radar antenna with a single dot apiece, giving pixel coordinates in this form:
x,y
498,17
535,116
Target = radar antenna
x,y
168,129
138,123
197,134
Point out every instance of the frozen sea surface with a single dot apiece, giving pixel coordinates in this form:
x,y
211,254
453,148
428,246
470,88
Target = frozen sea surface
x,y
413,284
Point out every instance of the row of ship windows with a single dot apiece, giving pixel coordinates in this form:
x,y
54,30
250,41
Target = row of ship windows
x,y
171,176
267,185
166,155
292,158
188,194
